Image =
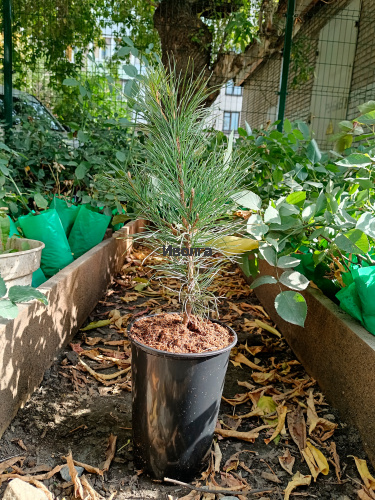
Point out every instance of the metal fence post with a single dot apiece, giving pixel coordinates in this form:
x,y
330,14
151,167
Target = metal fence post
x,y
285,65
8,91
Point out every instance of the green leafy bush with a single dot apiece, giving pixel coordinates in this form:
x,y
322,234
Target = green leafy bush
x,y
308,202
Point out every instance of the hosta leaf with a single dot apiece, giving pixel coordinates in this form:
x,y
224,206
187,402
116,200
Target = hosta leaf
x,y
354,241
8,310
366,223
130,70
231,245
81,171
313,152
3,288
120,219
286,262
4,229
366,107
263,280
367,118
291,307
248,199
255,226
82,136
308,212
346,126
355,159
269,255
40,201
272,215
344,142
71,82
296,198
294,280
25,294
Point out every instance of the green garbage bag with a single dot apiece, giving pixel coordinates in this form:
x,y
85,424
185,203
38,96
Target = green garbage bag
x,y
67,213
350,301
38,278
88,230
364,280
13,228
47,227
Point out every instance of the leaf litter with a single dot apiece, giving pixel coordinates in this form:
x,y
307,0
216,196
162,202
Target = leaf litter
x,y
276,436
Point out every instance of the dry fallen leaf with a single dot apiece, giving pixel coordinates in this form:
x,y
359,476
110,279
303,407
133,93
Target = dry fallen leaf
x,y
264,378
217,457
335,460
249,436
233,462
267,327
366,495
246,384
91,493
89,468
287,462
367,478
193,495
96,324
93,340
315,422
297,427
268,476
281,411
130,297
297,480
240,358
5,464
253,350
78,488
315,460
21,444
239,399
110,452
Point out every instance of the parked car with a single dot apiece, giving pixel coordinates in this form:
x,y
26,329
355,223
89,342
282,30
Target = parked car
x,y
25,104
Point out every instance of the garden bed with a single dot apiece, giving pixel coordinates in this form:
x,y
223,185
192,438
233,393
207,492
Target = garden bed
x,y
29,343
75,411
334,349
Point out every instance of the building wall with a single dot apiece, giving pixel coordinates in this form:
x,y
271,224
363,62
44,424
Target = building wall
x,y
223,103
260,97
363,78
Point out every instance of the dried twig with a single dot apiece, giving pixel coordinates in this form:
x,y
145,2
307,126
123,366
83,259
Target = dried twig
x,y
216,491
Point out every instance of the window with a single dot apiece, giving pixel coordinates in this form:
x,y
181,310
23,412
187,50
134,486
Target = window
x,y
231,120
105,51
231,89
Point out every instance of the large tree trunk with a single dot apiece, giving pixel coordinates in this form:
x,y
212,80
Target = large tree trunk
x,y
186,42
185,39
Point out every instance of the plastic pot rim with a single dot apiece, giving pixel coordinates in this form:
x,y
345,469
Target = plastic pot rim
x,y
182,355
24,252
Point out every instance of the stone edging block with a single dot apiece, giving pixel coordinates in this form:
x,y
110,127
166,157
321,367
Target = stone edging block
x,y
30,342
335,350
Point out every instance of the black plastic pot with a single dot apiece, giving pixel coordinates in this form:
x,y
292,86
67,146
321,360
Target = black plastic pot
x,y
176,400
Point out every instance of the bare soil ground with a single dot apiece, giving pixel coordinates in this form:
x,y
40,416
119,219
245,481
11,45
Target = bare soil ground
x,y
89,415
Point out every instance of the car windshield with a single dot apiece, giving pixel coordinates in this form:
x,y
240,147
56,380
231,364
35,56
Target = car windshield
x,y
28,106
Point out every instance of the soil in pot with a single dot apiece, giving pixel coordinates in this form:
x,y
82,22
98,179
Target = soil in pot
x,y
166,332
176,392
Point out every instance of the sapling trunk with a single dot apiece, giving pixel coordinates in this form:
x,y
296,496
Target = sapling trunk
x,y
190,286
